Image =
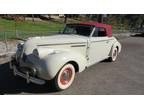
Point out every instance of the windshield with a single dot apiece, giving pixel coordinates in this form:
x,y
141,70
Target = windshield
x,y
84,30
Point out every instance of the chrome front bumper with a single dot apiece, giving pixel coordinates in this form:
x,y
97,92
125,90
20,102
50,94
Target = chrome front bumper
x,y
26,75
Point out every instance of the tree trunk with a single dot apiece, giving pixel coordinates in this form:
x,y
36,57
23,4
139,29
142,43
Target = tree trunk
x,y
100,18
141,25
33,17
65,18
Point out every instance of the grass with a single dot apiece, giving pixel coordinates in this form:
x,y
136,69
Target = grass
x,y
10,28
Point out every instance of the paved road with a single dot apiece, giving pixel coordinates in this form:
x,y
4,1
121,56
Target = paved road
x,y
125,76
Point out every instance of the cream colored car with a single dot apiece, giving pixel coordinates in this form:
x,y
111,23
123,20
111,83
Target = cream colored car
x,y
59,57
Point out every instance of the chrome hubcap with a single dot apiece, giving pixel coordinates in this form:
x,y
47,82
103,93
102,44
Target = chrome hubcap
x,y
66,76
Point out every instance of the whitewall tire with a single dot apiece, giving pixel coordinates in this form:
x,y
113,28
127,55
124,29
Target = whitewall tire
x,y
65,77
114,55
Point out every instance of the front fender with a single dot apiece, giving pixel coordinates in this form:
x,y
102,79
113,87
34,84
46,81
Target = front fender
x,y
55,61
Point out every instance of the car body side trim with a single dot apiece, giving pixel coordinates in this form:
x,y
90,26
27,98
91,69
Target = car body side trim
x,y
78,45
101,40
61,44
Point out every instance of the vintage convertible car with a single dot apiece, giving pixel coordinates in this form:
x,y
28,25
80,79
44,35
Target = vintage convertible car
x,y
57,58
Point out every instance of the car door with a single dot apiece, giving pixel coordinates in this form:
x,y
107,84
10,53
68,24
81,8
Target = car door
x,y
99,46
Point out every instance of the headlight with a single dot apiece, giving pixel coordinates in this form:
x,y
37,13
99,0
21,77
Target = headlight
x,y
35,52
20,46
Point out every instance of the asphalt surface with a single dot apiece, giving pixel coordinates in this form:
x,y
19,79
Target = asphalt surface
x,y
123,77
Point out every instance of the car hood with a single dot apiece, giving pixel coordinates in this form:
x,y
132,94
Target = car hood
x,y
56,39
33,42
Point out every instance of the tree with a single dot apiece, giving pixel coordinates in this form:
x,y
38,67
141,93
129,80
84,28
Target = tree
x,y
65,18
33,17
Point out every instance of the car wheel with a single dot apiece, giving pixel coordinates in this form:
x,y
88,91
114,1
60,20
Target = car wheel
x,y
65,77
114,55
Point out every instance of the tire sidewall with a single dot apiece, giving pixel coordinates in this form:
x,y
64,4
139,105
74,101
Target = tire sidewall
x,y
114,57
59,85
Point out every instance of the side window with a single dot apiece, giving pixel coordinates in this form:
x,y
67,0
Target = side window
x,y
99,32
102,32
70,30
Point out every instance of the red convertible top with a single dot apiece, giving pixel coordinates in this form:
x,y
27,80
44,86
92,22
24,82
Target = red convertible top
x,y
106,26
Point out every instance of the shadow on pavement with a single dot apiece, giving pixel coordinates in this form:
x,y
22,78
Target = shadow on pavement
x,y
9,84
138,35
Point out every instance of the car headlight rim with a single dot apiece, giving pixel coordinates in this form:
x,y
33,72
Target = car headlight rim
x,y
35,52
